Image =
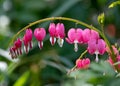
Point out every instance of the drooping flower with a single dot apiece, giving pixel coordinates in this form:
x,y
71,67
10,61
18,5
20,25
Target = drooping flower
x,y
18,45
57,31
96,47
52,31
27,40
75,36
15,50
89,34
60,33
40,34
82,63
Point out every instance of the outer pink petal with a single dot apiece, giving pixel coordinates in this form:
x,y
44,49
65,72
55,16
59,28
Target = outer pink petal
x,y
79,63
28,34
86,62
25,40
79,35
101,46
52,29
39,33
60,30
18,43
72,34
69,41
94,35
92,46
86,35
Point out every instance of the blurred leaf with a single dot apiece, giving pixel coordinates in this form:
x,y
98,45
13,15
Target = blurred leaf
x,y
114,4
103,67
22,80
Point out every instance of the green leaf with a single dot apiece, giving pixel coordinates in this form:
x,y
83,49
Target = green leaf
x,y
101,18
22,80
114,4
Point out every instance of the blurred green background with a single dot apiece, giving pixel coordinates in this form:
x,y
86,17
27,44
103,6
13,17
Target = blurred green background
x,y
49,66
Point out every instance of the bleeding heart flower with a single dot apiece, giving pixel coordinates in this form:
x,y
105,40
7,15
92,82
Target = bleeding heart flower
x,y
57,31
96,47
16,49
18,45
82,63
52,31
27,39
40,34
75,36
89,34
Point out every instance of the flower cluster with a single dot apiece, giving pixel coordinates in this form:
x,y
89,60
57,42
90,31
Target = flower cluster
x,y
56,31
95,45
89,37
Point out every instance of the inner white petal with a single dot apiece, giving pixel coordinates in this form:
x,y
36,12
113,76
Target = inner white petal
x,y
75,47
60,42
52,40
96,59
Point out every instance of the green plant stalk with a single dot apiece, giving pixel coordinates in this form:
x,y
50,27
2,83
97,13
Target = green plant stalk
x,y
72,20
83,54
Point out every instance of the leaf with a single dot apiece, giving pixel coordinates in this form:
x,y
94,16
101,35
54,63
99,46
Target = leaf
x,y
114,4
22,80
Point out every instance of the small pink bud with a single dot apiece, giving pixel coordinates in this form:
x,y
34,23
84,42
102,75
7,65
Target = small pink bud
x,y
82,63
40,34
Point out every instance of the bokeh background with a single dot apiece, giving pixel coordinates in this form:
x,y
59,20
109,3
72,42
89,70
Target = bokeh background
x,y
49,66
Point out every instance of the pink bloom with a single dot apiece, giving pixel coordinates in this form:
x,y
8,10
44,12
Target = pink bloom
x,y
40,34
96,47
16,49
60,30
74,36
89,34
82,63
18,45
52,31
13,52
57,31
27,39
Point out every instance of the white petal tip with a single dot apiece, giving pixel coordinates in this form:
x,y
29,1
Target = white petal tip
x,y
52,40
40,44
60,42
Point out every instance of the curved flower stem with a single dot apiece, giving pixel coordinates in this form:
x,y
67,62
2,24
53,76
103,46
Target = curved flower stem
x,y
55,18
72,20
83,54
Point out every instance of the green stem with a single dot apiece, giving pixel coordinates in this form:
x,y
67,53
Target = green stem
x,y
83,54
